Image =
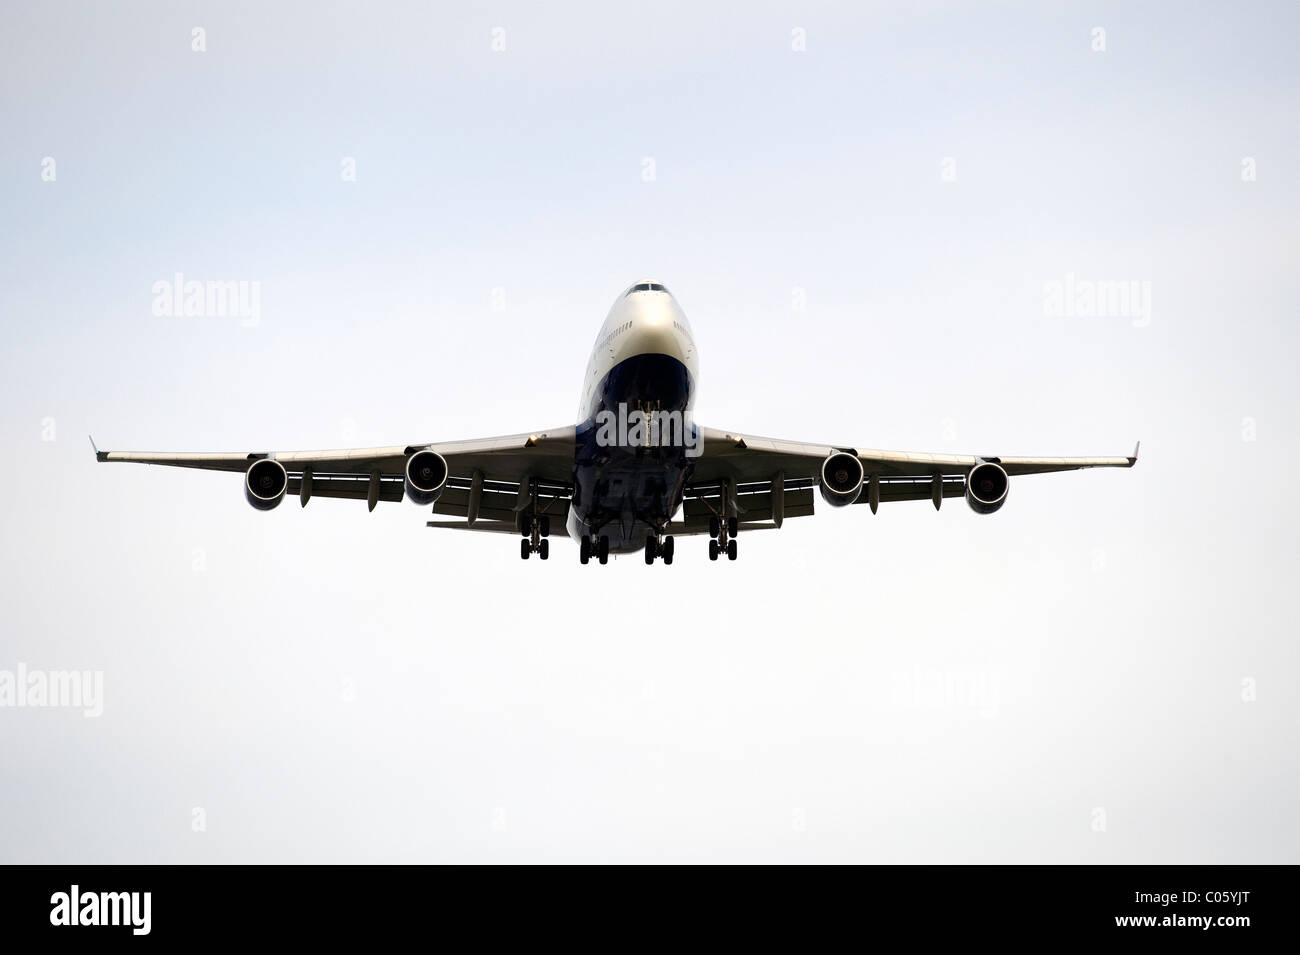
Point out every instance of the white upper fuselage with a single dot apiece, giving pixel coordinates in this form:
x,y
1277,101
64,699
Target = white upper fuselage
x,y
644,320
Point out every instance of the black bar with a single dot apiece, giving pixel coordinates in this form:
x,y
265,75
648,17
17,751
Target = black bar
x,y
972,906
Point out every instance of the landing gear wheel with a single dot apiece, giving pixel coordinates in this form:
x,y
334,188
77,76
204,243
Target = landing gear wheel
x,y
715,527
525,547
584,549
526,526
667,550
731,548
544,549
713,550
602,550
546,527
733,527
650,550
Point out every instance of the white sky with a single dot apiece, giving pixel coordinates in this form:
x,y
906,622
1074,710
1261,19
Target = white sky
x,y
327,684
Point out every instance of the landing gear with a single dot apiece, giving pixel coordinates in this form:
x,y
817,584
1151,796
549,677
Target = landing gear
x,y
541,548
535,531
658,548
717,547
589,547
722,531
534,527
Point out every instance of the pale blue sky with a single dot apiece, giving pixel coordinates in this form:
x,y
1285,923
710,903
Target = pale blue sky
x,y
1105,619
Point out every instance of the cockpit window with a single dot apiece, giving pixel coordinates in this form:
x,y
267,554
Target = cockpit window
x,y
647,287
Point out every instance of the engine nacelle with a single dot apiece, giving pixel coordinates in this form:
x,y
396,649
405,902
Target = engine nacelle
x,y
986,487
841,479
426,476
265,484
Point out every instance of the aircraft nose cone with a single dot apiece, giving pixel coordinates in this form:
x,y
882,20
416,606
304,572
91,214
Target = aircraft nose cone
x,y
654,332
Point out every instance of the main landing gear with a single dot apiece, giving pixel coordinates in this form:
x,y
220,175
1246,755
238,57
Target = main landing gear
x,y
723,537
536,530
658,548
598,548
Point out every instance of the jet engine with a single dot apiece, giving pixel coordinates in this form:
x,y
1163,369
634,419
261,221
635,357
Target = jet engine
x,y
265,484
841,479
986,487
426,476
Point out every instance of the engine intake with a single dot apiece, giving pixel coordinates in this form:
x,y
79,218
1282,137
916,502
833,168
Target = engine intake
x,y
986,487
426,476
841,479
265,484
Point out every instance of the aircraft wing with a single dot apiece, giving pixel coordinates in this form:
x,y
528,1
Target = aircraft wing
x,y
744,457
748,467
507,469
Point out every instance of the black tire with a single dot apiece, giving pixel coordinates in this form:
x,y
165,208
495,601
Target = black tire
x,y
713,550
649,550
731,549
733,527
544,549
546,526
525,546
602,550
715,526
584,549
668,550
526,526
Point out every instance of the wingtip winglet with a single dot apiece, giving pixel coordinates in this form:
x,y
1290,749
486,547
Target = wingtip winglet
x,y
1134,458
99,455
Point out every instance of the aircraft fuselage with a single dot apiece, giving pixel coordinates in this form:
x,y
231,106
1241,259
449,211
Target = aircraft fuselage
x,y
645,361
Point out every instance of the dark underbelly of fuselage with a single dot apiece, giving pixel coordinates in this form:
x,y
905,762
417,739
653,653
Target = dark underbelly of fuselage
x,y
622,489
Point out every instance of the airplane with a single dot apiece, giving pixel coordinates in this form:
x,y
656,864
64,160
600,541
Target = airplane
x,y
635,472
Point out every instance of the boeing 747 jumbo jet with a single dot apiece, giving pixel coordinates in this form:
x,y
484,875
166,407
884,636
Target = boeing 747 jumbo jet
x,y
636,472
